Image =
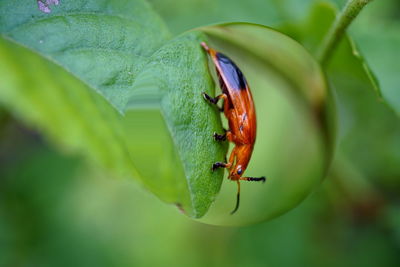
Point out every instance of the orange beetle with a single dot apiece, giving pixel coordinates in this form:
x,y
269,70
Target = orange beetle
x,y
238,108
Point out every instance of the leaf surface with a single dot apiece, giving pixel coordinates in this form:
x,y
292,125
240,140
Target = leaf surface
x,y
365,111
143,91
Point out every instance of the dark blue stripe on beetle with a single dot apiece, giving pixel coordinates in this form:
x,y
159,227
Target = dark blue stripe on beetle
x,y
232,73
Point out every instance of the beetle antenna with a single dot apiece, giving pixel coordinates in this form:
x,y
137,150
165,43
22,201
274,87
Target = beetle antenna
x,y
262,179
237,199
205,46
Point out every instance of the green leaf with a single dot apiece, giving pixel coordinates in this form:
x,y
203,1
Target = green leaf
x,y
379,44
104,43
348,59
44,95
164,127
158,129
183,15
189,119
363,116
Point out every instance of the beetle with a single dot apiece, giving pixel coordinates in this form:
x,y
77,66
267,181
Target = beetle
x,y
238,107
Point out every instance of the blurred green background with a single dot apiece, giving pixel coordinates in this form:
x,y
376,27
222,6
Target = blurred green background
x,y
55,210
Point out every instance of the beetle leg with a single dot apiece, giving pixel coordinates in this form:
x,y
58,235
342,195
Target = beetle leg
x,y
217,165
225,107
214,100
229,136
219,137
253,179
210,99
233,155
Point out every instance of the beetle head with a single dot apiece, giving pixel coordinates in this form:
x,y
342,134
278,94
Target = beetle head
x,y
236,172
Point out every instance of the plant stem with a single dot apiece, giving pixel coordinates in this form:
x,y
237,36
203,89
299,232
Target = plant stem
x,y
336,32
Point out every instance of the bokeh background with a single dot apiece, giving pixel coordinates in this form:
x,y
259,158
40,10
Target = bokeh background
x,y
56,210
